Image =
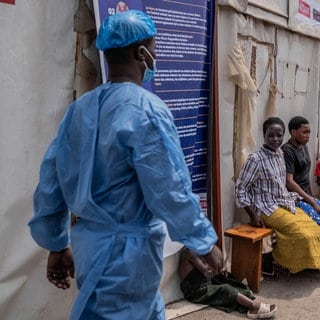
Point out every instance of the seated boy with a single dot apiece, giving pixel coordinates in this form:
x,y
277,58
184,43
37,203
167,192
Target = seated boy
x,y
201,284
298,164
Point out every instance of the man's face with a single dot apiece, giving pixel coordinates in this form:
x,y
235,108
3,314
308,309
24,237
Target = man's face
x,y
302,135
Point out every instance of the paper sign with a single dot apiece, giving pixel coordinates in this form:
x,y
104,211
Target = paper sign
x,y
8,1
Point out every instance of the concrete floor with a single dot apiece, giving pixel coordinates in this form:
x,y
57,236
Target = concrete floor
x,y
297,297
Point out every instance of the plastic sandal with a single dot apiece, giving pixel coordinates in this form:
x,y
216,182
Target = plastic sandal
x,y
264,312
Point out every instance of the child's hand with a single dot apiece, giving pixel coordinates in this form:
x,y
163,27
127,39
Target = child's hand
x,y
215,261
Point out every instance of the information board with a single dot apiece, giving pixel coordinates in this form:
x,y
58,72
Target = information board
x,y
184,61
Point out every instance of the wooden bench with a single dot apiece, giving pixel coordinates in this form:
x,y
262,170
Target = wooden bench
x,y
246,260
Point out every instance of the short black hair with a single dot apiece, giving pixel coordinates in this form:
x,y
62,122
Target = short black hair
x,y
296,122
270,121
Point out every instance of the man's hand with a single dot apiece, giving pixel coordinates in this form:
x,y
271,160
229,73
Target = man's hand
x,y
256,221
215,260
60,267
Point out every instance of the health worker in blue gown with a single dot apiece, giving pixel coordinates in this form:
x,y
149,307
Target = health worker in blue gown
x,y
117,164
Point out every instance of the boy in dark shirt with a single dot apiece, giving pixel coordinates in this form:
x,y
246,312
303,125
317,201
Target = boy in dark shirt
x,y
298,165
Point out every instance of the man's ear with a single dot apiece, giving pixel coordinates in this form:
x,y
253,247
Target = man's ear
x,y
139,53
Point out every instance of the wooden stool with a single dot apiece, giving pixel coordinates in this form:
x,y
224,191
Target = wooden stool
x,y
246,260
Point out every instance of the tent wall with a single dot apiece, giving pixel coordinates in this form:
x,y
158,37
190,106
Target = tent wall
x,y
275,57
37,47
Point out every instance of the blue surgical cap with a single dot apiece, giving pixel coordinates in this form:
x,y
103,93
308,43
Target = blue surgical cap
x,y
124,28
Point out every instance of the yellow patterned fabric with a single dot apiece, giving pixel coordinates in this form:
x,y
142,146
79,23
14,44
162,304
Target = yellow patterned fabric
x,y
298,239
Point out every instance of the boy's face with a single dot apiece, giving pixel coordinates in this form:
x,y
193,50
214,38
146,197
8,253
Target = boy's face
x,y
274,136
301,135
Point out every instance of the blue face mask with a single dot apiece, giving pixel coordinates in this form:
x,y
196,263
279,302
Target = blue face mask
x,y
148,73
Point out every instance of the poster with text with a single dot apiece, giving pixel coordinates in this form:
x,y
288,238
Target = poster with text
x,y
184,63
309,11
304,17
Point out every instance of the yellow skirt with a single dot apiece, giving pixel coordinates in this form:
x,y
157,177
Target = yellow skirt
x,y
298,239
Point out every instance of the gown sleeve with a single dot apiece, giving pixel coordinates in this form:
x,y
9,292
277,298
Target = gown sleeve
x,y
49,226
166,184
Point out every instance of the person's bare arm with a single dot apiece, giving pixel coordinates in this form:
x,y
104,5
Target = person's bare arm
x,y
214,260
198,262
209,264
185,264
255,220
294,187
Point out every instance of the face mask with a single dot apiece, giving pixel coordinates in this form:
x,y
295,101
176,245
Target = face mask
x,y
148,73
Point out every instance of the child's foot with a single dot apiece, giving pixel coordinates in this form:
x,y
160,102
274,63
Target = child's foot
x,y
262,311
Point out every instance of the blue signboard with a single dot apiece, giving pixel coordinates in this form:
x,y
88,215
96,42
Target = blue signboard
x,y
184,63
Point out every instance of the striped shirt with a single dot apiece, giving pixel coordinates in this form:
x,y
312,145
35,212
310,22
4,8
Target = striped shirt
x,y
262,183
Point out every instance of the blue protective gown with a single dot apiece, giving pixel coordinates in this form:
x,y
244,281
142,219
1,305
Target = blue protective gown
x,y
117,163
